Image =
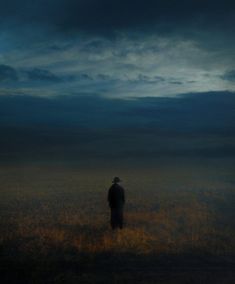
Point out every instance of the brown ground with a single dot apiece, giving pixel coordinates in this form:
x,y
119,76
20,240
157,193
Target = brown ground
x,y
179,225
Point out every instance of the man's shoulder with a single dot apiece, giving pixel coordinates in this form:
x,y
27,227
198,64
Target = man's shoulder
x,y
120,187
116,186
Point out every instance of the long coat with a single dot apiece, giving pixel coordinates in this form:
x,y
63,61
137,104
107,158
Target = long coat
x,y
116,199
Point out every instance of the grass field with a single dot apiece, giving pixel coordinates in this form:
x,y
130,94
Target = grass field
x,y
179,224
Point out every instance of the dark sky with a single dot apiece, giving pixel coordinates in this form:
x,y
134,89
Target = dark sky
x,y
117,78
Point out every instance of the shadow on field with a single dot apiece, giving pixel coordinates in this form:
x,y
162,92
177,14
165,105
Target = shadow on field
x,y
113,267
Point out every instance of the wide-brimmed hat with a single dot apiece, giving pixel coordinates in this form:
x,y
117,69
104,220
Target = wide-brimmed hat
x,y
116,179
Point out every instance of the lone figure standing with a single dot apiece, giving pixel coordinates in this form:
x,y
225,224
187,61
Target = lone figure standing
x,y
116,199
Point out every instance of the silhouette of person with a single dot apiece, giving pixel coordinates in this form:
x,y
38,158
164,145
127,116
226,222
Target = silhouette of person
x,y
116,199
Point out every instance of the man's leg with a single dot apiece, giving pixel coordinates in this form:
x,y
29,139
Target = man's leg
x,y
113,220
120,218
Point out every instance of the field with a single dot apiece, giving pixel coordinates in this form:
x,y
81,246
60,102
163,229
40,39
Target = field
x,y
179,224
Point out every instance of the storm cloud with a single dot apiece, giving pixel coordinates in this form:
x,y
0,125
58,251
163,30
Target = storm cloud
x,y
104,15
119,48
42,75
7,73
229,75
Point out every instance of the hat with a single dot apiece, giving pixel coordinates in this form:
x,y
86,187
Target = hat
x,y
116,180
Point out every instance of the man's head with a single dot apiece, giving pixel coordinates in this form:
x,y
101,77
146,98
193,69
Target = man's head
x,y
116,180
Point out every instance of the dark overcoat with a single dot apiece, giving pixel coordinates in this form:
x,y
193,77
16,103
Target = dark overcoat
x,y
116,199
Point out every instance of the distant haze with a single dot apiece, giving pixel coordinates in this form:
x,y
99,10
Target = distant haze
x,y
95,128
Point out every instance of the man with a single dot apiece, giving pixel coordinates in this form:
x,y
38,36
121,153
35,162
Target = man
x,y
116,199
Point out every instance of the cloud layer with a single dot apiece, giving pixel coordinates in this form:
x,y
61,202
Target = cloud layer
x,y
118,48
123,67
